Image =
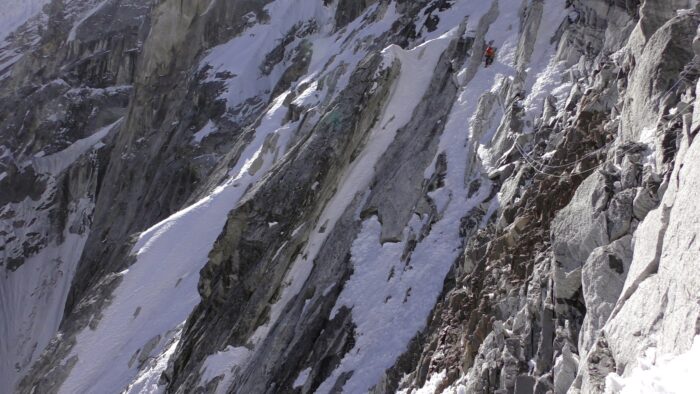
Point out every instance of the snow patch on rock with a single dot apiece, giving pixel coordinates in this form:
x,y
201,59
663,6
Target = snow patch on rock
x,y
660,374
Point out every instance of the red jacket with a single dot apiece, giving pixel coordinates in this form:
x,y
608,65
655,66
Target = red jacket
x,y
490,52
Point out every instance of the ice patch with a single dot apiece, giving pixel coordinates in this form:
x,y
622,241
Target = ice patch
x,y
56,163
222,364
91,12
208,129
302,378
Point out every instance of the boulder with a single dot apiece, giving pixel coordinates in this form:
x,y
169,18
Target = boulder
x,y
564,370
619,213
576,230
644,201
603,278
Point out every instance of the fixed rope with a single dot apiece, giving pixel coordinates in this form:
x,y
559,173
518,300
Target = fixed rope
x,y
533,162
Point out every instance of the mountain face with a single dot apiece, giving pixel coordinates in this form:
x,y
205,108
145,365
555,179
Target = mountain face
x,y
297,196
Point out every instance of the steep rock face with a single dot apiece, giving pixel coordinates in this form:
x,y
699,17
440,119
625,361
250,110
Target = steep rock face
x,y
337,196
151,169
656,304
63,98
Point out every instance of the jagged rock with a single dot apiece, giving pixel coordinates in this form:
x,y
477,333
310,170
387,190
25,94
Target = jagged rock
x,y
660,63
544,385
564,370
593,370
348,10
619,213
603,278
631,172
656,307
644,201
524,384
576,230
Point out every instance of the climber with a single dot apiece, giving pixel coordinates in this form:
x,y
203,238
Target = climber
x,y
489,55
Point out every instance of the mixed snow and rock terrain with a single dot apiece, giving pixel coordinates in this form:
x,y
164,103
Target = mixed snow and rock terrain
x,y
326,196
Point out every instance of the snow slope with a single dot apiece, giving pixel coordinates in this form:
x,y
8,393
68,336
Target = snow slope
x,y
660,374
146,314
31,318
389,313
14,13
385,327
243,55
145,317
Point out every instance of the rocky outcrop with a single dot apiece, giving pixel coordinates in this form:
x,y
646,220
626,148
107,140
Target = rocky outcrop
x,y
61,104
559,329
